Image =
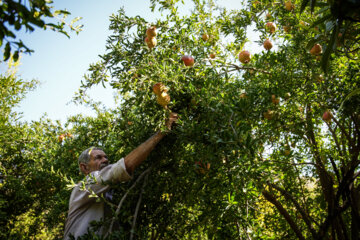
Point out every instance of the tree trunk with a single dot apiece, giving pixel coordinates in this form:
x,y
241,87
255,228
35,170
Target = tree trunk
x,y
355,213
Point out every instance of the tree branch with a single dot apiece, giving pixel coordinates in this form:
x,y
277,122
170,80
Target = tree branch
x,y
249,68
123,199
348,137
356,137
289,197
300,179
335,169
283,212
325,179
355,210
335,139
137,208
329,220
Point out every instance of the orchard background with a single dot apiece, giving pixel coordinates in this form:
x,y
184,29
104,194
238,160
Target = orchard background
x,y
265,148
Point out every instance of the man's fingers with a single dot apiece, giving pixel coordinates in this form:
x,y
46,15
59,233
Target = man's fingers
x,y
173,116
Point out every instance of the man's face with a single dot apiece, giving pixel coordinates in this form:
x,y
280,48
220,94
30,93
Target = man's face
x,y
98,160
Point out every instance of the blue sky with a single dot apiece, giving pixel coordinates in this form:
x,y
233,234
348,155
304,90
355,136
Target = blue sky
x,y
59,63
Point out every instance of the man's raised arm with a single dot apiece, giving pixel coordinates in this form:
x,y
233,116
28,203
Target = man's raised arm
x,y
139,154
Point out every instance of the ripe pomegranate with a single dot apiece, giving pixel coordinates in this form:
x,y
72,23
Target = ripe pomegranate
x,y
270,27
163,99
151,32
316,50
205,37
243,95
327,116
188,60
267,44
158,88
268,114
202,167
244,56
339,40
151,42
212,55
61,137
319,78
287,29
287,152
289,6
69,135
275,100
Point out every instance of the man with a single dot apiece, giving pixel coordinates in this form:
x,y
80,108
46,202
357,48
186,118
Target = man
x,y
94,163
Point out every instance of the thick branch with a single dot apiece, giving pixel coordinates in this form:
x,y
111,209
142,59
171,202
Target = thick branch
x,y
355,176
344,187
357,127
284,213
335,169
288,196
347,180
325,179
355,211
329,220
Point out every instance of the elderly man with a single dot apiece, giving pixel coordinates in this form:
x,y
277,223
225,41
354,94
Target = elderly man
x,y
94,163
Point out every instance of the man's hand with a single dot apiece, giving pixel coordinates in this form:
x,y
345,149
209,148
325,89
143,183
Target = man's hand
x,y
173,117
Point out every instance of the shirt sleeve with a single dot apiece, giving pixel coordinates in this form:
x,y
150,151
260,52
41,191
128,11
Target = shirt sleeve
x,y
97,181
118,172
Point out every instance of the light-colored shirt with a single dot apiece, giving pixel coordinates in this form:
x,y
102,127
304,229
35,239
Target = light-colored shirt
x,y
84,209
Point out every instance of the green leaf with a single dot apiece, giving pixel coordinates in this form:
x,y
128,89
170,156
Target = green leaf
x,y
7,51
75,20
65,33
329,49
16,56
63,12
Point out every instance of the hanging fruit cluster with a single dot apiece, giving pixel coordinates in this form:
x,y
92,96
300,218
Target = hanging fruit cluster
x,y
162,96
150,39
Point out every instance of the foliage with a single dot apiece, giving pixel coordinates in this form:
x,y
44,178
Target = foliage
x,y
337,18
29,14
251,157
12,90
258,149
